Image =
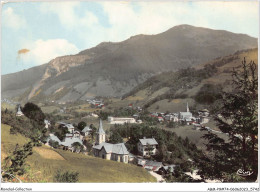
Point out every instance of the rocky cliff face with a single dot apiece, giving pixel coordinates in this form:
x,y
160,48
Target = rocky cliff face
x,y
112,69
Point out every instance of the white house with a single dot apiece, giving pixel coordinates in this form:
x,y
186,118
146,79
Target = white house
x,y
121,120
147,146
47,123
67,142
76,134
116,152
70,127
86,131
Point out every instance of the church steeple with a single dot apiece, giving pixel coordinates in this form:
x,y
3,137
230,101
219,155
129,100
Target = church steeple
x,y
188,110
101,135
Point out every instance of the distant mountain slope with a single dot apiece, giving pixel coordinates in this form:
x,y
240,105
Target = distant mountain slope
x,y
171,90
113,69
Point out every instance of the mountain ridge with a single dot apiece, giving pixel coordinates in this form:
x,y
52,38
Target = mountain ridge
x,y
114,68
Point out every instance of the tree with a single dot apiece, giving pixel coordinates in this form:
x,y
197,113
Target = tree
x,y
77,146
32,111
17,160
115,138
54,144
61,132
236,117
66,177
82,125
93,131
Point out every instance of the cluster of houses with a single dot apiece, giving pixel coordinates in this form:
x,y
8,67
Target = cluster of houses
x,y
116,152
185,117
96,103
74,136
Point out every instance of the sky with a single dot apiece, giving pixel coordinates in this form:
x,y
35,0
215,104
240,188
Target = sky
x,y
33,33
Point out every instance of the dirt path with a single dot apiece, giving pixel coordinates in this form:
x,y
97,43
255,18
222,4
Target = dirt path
x,y
158,177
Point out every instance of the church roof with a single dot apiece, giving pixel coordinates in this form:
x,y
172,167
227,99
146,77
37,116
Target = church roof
x,y
118,148
148,141
100,130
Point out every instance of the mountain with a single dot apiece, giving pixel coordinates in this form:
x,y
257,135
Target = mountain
x,y
199,86
113,69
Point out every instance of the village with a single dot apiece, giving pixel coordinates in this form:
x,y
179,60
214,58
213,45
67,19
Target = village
x,y
93,141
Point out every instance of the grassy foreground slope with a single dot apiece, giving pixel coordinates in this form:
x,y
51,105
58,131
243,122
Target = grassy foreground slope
x,y
45,162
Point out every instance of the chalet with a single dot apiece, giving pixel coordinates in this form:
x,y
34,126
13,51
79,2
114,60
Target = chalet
x,y
120,120
76,134
204,112
47,123
67,142
19,112
147,147
86,131
116,152
70,127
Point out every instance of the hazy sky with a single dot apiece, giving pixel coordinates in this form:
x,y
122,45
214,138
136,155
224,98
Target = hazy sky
x,y
43,31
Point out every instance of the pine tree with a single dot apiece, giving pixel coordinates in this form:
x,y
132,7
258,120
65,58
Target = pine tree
x,y
237,118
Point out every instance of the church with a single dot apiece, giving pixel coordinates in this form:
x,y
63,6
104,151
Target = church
x,y
19,112
116,152
185,116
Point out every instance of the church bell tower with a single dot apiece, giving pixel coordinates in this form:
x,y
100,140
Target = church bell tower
x,y
101,135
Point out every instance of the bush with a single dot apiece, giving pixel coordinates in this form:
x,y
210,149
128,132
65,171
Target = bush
x,y
54,144
82,125
66,177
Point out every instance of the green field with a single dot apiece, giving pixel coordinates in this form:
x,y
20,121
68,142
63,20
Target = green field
x,y
45,162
